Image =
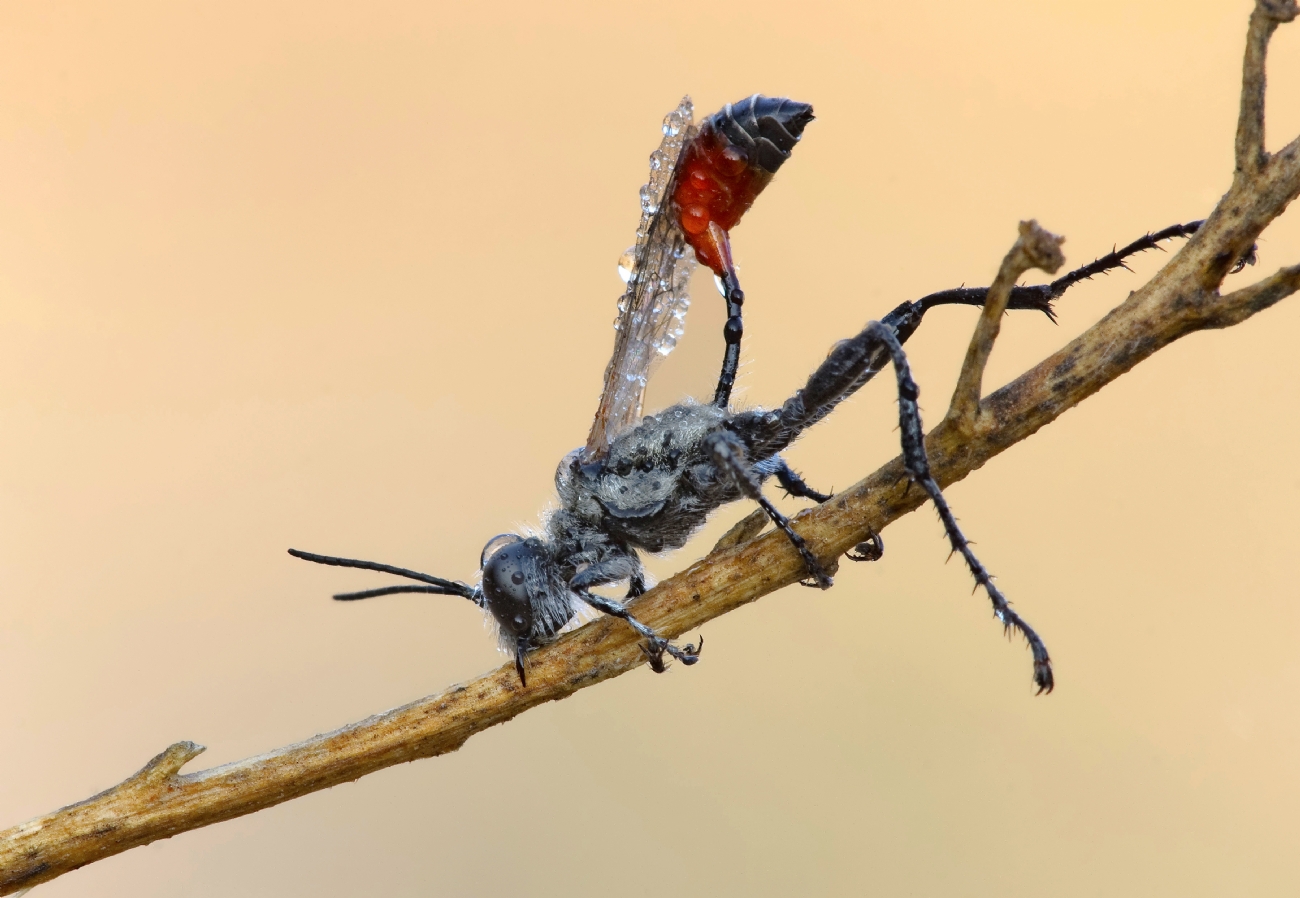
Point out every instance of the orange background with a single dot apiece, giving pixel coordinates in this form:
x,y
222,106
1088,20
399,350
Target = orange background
x,y
341,277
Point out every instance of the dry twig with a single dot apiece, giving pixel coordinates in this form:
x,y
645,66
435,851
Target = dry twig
x,y
160,802
1036,248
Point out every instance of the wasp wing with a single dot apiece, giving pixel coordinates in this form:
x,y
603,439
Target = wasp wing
x,y
652,310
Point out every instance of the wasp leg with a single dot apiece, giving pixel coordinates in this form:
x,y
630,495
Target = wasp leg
x,y
729,453
611,570
840,376
654,653
792,483
870,549
636,586
1041,296
657,645
918,469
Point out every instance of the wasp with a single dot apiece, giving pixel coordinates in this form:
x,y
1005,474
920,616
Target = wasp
x,y
647,483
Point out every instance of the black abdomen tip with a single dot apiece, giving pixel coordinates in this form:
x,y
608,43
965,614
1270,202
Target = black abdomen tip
x,y
767,128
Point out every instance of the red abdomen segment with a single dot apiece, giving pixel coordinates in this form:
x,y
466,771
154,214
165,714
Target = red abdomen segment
x,y
727,165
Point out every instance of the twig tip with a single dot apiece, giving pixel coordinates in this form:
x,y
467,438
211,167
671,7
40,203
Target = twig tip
x,y
168,763
1042,248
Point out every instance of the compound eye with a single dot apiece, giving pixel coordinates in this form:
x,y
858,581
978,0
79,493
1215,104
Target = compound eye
x,y
510,577
499,541
510,573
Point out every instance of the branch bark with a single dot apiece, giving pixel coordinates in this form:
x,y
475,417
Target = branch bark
x,y
159,801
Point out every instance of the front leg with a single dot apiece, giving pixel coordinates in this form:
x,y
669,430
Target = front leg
x,y
657,645
613,570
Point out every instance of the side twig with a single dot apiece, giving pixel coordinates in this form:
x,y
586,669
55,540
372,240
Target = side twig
x,y
1267,15
1035,248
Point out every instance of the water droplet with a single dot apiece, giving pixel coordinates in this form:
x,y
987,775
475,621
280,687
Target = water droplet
x,y
626,268
649,200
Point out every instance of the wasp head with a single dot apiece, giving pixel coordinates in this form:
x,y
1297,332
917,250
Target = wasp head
x,y
522,590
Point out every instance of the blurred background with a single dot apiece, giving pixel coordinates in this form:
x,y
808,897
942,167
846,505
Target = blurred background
x,y
341,277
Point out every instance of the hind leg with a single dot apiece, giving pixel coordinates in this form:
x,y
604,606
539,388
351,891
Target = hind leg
x,y
918,468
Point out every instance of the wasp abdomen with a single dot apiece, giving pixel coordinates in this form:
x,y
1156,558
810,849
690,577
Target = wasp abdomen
x,y
728,163
766,128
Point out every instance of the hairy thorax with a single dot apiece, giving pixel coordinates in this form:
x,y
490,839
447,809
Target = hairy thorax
x,y
657,485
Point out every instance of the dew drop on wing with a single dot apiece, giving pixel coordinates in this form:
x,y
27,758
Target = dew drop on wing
x,y
626,268
653,307
677,121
